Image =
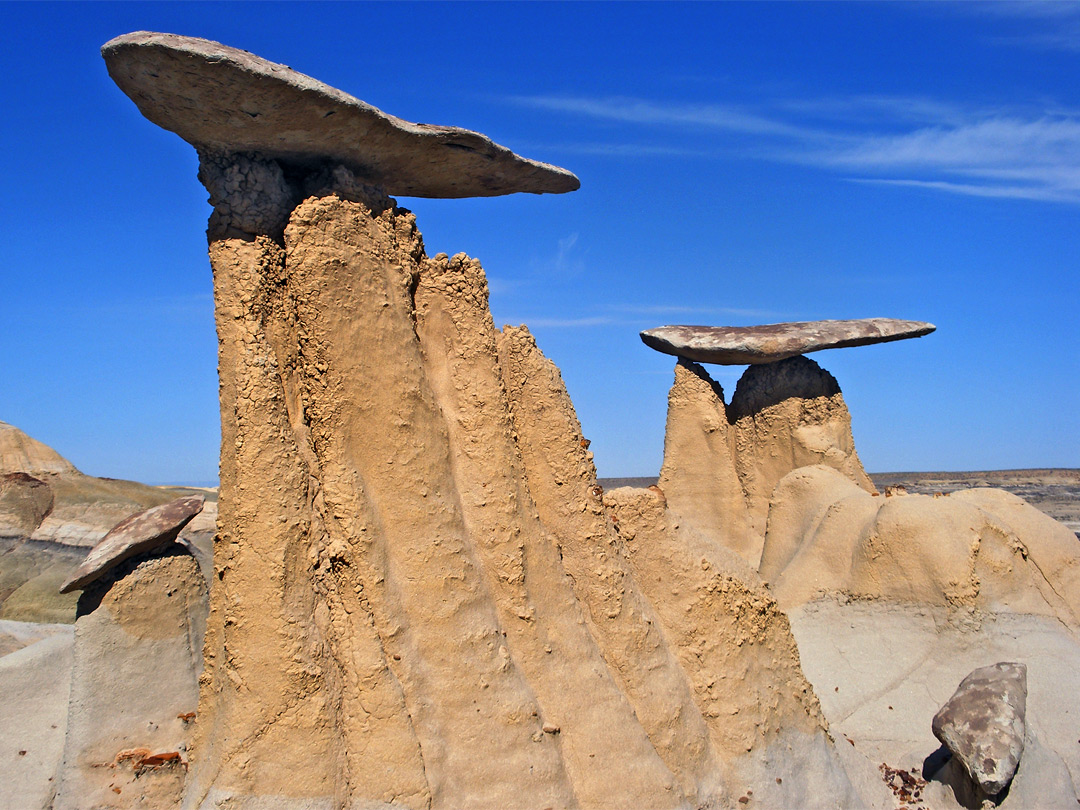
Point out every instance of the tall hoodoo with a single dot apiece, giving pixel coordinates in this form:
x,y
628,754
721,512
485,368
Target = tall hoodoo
x,y
420,597
339,513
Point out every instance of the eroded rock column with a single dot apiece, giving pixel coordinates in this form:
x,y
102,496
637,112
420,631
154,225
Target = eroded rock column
x,y
698,477
269,681
788,415
351,625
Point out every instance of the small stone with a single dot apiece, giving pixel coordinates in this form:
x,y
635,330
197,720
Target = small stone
x,y
983,724
551,728
144,531
743,345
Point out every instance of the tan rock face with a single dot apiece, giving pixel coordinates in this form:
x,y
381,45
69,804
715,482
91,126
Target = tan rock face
x,y
721,463
134,687
976,550
419,596
25,501
699,477
20,453
415,571
788,415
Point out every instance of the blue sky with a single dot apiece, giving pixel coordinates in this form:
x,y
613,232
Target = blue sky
x,y
740,164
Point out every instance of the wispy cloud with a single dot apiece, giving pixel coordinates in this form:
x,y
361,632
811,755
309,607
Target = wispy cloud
x,y
1037,159
725,117
1050,24
1027,154
871,110
675,311
618,150
978,190
566,323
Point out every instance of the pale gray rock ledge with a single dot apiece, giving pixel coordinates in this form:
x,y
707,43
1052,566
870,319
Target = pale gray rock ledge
x,y
222,99
137,534
769,343
983,724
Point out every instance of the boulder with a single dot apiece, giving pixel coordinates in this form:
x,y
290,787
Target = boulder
x,y
983,724
140,533
222,99
883,668
740,345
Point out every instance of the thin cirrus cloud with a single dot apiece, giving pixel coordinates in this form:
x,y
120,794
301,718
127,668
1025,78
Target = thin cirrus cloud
x,y
640,317
1056,23
912,142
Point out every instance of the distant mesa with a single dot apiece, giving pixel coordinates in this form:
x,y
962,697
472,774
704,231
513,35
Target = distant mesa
x,y
137,534
219,98
20,453
768,343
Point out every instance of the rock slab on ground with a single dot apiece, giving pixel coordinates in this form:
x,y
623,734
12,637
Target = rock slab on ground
x,y
225,99
983,724
768,343
137,534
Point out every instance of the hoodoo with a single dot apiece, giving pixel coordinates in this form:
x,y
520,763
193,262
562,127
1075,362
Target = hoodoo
x,y
421,596
722,461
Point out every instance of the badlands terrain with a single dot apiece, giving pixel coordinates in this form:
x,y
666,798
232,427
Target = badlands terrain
x,y
411,589
880,668
1056,492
